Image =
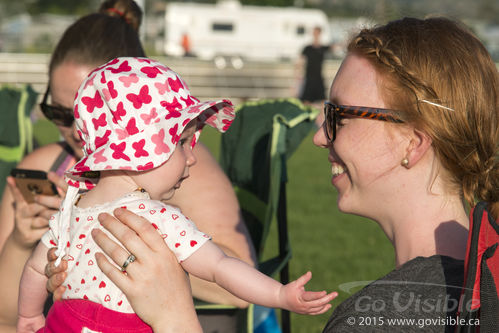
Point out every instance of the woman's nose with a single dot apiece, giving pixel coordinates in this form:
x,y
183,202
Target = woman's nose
x,y
320,139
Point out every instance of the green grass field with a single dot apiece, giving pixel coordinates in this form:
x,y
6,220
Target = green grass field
x,y
337,248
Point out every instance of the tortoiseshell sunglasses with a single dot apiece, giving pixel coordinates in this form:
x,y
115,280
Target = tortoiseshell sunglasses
x,y
333,112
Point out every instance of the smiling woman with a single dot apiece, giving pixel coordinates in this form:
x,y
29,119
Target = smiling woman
x,y
435,87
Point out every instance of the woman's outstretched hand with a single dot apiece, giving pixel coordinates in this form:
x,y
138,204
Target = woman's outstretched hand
x,y
155,284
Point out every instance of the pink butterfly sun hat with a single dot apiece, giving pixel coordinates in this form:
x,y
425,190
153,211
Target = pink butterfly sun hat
x,y
130,114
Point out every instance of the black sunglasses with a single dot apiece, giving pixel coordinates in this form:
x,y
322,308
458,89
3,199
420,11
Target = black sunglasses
x,y
60,115
333,112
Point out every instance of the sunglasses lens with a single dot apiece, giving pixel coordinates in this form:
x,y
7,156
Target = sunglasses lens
x,y
329,122
58,115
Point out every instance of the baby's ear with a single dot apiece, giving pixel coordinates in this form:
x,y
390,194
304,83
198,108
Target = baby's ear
x,y
419,144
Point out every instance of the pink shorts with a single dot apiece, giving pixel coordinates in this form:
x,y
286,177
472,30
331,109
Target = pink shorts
x,y
83,316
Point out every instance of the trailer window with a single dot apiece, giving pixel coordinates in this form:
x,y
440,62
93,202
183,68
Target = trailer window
x,y
300,30
222,27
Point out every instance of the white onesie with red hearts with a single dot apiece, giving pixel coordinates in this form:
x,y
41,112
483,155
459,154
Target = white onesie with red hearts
x,y
85,280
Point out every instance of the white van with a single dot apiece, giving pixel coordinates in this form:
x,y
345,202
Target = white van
x,y
231,29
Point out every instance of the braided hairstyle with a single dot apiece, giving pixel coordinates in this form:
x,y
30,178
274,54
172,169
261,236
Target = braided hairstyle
x,y
100,37
445,83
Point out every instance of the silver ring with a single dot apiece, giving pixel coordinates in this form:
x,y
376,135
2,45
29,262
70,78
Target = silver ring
x,y
131,258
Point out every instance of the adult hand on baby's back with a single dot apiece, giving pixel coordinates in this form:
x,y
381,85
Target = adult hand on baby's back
x,y
55,274
294,297
155,284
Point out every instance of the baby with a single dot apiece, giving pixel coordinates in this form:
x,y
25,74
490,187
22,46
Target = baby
x,y
139,124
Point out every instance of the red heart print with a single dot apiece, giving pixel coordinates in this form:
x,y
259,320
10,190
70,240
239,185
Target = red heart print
x,y
82,281
90,262
193,243
182,233
107,298
174,216
124,207
102,284
162,210
82,236
119,303
152,212
79,246
87,251
142,206
52,217
53,243
69,286
94,278
77,263
90,218
164,236
177,244
77,219
155,226
85,297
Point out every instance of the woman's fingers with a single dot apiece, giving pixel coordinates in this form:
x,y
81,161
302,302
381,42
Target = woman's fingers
x,y
59,182
142,228
115,251
130,230
46,214
113,273
18,197
49,201
55,274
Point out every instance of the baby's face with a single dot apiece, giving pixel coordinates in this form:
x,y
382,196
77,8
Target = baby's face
x,y
161,182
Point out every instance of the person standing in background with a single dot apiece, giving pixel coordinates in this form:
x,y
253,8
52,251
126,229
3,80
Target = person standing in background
x,y
311,60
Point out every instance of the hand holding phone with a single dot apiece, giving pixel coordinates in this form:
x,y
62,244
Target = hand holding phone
x,y
33,182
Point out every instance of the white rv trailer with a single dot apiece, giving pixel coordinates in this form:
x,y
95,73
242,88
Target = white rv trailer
x,y
250,32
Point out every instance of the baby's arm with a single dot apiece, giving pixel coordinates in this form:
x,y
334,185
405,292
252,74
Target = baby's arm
x,y
32,292
211,264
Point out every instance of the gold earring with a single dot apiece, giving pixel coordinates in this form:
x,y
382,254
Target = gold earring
x,y
405,162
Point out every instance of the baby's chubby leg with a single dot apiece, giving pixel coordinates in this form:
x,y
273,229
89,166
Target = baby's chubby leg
x,y
32,292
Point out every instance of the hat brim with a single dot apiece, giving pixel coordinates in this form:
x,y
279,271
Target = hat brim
x,y
218,114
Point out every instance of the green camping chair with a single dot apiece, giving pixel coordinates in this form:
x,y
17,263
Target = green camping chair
x,y
16,135
254,152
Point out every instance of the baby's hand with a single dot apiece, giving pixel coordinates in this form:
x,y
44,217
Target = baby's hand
x,y
294,297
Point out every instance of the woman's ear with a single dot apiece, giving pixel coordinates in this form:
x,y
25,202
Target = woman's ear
x,y
419,144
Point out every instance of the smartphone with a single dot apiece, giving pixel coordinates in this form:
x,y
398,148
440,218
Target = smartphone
x,y
33,182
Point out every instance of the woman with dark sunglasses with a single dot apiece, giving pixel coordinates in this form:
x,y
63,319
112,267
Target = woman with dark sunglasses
x,y
89,42
412,129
